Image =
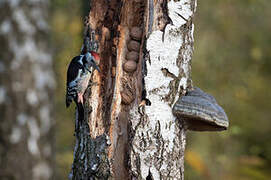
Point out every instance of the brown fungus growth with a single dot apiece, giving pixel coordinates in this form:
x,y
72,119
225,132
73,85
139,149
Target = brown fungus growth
x,y
201,112
130,66
134,46
132,55
136,33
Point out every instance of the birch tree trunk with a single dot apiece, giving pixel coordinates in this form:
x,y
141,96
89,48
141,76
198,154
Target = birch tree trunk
x,y
121,138
26,84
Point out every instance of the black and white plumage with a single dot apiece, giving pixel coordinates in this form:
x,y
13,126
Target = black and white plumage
x,y
78,76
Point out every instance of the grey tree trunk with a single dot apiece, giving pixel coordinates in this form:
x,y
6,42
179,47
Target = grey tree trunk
x,y
146,48
26,85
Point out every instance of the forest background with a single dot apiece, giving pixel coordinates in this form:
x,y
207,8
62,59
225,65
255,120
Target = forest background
x,y
231,61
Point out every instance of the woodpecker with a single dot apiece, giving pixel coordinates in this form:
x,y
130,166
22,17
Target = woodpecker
x,y
78,76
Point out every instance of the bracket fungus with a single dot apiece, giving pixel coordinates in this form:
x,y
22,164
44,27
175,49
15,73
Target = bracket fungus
x,y
200,111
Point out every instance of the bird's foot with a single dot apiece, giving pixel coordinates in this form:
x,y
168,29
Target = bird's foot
x,y
141,107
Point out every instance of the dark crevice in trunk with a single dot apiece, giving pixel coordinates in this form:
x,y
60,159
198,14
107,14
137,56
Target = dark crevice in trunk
x,y
149,177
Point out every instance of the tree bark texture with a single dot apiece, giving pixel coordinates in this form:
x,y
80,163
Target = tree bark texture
x,y
26,85
129,131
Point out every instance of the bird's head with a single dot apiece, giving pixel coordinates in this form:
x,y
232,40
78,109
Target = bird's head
x,y
92,59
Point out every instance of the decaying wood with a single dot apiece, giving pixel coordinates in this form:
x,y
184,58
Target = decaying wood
x,y
146,48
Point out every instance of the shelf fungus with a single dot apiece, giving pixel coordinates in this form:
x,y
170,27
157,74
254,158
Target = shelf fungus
x,y
201,112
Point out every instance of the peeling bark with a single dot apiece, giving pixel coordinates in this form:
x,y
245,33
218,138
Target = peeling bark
x,y
129,129
26,85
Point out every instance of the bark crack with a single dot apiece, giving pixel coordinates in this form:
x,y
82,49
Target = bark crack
x,y
143,71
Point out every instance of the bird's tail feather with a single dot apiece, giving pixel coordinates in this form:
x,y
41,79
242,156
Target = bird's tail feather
x,y
69,97
68,101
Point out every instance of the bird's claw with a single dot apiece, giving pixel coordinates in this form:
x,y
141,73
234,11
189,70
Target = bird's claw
x,y
143,103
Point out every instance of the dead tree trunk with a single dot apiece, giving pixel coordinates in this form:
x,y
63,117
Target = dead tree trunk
x,y
129,131
26,85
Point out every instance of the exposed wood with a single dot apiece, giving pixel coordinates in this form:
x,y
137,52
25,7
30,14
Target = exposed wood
x,y
125,138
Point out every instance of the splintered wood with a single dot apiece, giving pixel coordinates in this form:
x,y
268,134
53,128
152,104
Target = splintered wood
x,y
145,63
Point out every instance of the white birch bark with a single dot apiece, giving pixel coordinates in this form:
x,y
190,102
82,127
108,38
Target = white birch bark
x,y
123,142
159,141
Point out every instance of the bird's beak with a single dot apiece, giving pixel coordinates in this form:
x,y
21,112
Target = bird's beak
x,y
96,67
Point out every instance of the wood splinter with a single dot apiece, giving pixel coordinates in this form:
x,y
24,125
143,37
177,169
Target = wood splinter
x,y
127,97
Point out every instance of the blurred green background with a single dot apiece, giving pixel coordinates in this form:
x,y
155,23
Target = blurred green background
x,y
231,61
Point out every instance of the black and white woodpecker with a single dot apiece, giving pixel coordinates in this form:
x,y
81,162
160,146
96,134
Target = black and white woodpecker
x,y
78,75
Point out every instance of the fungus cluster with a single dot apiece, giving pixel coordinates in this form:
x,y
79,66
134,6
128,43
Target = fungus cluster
x,y
130,64
133,46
